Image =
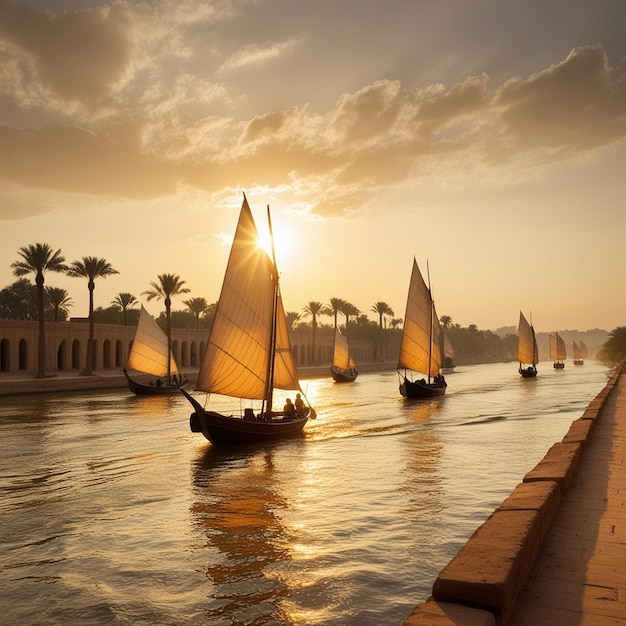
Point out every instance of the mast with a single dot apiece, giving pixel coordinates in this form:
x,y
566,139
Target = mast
x,y
430,328
269,390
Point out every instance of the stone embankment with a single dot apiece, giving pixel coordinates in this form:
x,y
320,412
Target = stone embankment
x,y
481,584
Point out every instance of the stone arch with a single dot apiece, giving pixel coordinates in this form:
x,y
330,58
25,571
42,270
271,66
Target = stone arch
x,y
76,354
5,356
62,355
106,353
22,355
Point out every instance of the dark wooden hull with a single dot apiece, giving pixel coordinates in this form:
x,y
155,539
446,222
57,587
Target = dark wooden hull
x,y
559,365
229,430
418,389
579,362
150,390
528,372
342,375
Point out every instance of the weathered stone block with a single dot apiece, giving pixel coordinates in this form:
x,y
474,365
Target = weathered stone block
x,y
491,569
433,613
579,430
559,464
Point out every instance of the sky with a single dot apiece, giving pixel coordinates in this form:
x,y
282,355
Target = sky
x,y
484,138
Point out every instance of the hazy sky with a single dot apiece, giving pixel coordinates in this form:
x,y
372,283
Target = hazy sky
x,y
485,136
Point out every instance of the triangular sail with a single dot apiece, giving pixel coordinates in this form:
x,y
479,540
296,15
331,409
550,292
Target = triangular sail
x,y
285,372
341,352
237,360
557,347
419,349
448,348
578,353
583,349
527,351
149,351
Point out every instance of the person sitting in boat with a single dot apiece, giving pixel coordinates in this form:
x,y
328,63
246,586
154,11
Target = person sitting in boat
x,y
289,409
440,381
300,408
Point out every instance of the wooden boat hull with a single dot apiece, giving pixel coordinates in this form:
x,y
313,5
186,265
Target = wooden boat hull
x,y
150,390
341,375
229,430
579,362
419,389
559,365
528,372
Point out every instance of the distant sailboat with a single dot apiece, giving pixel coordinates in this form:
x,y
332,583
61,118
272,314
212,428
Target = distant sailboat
x,y
557,351
149,354
527,351
249,354
580,353
343,368
448,353
420,348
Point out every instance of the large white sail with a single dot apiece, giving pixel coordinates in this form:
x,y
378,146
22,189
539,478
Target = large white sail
x,y
419,349
238,357
527,351
149,351
341,352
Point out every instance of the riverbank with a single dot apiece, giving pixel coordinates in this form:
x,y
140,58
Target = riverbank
x,y
25,383
553,552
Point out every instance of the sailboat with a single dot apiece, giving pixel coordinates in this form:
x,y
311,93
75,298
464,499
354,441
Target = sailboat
x,y
527,351
448,353
343,368
557,351
420,348
149,354
580,352
249,354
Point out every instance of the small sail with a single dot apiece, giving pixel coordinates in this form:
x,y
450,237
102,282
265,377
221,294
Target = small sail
x,y
341,352
578,353
448,349
583,349
285,372
419,349
149,350
557,347
527,351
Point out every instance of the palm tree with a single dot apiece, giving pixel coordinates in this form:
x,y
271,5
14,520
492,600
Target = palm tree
x,y
58,300
335,307
90,267
197,306
168,285
313,309
349,309
382,308
445,321
292,317
39,258
124,301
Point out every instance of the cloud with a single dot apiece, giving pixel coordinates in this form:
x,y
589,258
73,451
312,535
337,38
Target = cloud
x,y
380,136
77,56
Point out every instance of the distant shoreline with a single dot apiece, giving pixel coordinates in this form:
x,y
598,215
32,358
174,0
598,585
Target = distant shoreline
x,y
26,384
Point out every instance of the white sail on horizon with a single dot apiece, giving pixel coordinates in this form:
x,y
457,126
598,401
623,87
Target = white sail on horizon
x,y
420,346
341,352
527,350
149,351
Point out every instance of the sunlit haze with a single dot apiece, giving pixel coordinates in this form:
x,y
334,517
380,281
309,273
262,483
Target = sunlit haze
x,y
485,138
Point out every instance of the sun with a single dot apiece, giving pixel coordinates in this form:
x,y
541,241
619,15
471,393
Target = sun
x,y
285,242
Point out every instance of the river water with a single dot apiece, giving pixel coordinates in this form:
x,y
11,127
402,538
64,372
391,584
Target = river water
x,y
113,512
